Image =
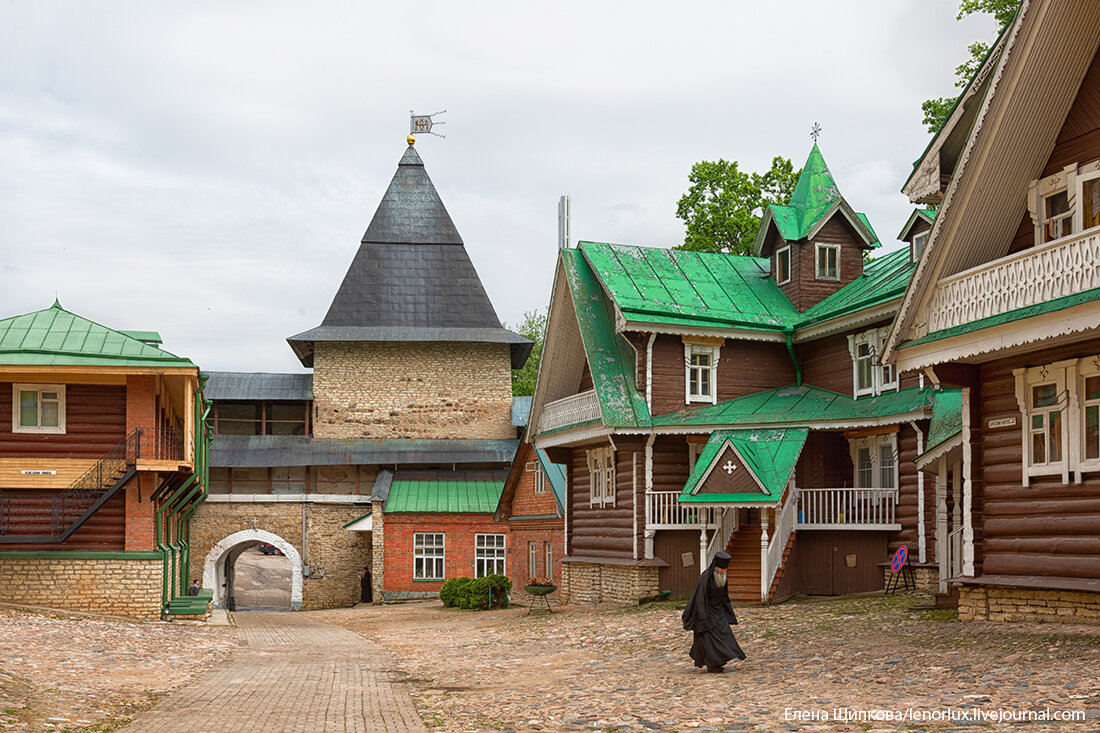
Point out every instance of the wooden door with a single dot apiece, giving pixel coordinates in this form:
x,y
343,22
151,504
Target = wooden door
x,y
674,547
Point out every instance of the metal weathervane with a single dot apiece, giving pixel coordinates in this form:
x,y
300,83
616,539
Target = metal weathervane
x,y
423,124
815,131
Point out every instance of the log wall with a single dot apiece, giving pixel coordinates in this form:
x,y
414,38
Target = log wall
x,y
95,421
804,289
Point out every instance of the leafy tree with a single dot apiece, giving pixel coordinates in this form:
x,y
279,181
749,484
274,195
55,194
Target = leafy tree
x,y
533,327
936,110
723,207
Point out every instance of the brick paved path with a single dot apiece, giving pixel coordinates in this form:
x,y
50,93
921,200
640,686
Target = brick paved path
x,y
293,674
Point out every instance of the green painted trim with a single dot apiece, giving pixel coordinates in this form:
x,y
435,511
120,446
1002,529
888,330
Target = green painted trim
x,y
532,516
83,554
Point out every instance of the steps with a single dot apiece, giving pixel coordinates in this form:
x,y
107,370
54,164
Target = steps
x,y
743,575
782,568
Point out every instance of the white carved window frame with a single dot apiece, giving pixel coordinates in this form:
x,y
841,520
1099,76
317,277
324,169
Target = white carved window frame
x,y
874,445
601,476
1070,179
883,377
1086,368
916,249
710,372
826,247
783,254
535,467
1063,375
1085,173
39,389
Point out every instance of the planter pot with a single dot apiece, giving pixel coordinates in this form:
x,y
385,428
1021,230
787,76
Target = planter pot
x,y
540,590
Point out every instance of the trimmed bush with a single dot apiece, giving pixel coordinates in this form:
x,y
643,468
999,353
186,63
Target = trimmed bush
x,y
476,594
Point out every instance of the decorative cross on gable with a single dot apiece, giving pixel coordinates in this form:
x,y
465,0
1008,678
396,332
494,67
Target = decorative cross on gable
x,y
729,467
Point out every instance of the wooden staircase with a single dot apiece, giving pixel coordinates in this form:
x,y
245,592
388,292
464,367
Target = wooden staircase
x,y
743,575
782,568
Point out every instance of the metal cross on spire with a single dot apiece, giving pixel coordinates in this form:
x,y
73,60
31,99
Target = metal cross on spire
x,y
815,131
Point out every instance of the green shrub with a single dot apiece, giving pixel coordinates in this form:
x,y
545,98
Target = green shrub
x,y
477,594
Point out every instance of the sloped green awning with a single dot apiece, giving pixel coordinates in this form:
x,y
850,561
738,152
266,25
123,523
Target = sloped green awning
x,y
444,497
769,455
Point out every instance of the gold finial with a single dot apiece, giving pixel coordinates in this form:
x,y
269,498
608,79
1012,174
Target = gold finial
x,y
410,140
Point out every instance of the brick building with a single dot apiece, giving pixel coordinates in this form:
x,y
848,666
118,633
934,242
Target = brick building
x,y
392,454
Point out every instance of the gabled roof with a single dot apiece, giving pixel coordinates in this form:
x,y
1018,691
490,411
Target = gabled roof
x,y
610,357
884,279
555,475
460,496
813,202
411,279
925,215
56,337
769,454
689,288
799,406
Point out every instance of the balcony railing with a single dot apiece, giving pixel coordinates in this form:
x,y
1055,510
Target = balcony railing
x,y
1053,270
570,411
847,509
663,512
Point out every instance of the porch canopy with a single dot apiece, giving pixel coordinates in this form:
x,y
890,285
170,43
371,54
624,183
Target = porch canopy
x,y
744,467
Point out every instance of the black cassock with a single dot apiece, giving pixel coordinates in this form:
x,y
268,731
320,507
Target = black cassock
x,y
709,614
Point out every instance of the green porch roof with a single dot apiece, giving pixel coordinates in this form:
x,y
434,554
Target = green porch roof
x,y
610,357
444,497
946,418
799,406
770,454
56,337
1019,314
690,288
555,474
884,279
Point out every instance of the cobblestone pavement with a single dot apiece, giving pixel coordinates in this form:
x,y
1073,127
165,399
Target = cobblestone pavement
x,y
65,672
628,670
293,674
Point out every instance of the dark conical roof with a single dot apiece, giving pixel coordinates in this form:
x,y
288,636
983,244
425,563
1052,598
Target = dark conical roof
x,y
411,279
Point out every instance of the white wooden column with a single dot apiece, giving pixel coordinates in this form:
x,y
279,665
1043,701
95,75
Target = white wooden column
x,y
922,543
941,521
968,488
763,555
703,549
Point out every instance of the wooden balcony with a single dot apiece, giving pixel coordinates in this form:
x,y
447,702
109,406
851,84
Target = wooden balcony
x,y
663,512
570,411
847,509
1063,267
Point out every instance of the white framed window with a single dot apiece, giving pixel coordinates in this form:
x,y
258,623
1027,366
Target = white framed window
x,y
38,408
532,559
1088,215
429,552
919,240
869,376
1089,391
827,261
540,478
1057,216
875,461
700,373
548,551
601,476
783,265
1065,202
1046,396
488,555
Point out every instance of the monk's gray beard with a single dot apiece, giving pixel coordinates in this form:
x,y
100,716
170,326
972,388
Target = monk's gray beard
x,y
719,577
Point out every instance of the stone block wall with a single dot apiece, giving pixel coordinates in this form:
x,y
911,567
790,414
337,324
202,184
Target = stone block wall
x,y
115,587
926,578
589,584
412,390
1006,603
335,555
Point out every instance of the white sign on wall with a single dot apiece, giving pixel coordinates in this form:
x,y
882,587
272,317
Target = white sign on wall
x,y
37,472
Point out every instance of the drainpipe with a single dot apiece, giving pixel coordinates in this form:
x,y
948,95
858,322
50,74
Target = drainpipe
x,y
788,331
202,470
165,551
649,372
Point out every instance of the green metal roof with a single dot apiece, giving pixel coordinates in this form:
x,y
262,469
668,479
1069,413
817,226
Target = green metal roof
x,y
1019,314
815,196
884,278
56,337
799,406
946,418
444,497
769,454
690,288
928,215
610,357
555,474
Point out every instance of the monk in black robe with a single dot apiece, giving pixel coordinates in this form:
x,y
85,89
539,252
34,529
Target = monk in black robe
x,y
709,614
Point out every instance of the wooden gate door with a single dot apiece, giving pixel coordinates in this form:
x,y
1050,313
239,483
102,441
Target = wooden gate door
x,y
815,562
674,546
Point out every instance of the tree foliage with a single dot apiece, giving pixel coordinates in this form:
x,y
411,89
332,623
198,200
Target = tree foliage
x,y
723,206
936,110
533,326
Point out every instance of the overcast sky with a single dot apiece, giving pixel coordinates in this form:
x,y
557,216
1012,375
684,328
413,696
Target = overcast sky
x,y
206,169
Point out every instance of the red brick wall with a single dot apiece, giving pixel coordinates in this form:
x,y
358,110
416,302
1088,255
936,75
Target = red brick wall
x,y
526,501
140,413
459,531
538,531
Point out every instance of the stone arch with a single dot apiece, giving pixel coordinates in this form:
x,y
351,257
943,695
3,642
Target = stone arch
x,y
213,569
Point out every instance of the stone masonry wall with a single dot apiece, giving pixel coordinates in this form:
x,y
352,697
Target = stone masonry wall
x,y
412,390
589,584
114,587
335,555
1001,603
926,578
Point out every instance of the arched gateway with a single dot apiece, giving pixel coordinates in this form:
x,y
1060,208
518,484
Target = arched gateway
x,y
226,551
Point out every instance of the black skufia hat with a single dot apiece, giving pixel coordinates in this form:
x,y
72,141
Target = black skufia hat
x,y
722,560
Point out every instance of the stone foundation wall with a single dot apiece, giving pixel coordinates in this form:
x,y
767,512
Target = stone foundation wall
x,y
926,579
589,584
1004,603
336,556
115,587
412,390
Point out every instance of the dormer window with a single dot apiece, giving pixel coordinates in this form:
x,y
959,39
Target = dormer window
x,y
701,366
783,265
919,240
1057,216
828,261
869,376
